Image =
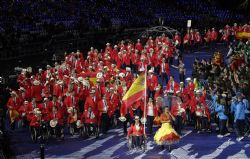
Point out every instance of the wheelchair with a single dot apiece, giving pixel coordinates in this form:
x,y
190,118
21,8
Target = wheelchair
x,y
82,131
81,128
72,128
41,133
91,130
56,131
143,146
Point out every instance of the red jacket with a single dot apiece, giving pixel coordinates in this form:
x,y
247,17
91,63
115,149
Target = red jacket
x,y
71,101
90,102
36,91
214,36
152,82
176,86
44,107
174,109
90,118
108,110
13,104
139,46
58,90
194,102
134,132
177,38
35,121
57,116
167,70
186,39
114,100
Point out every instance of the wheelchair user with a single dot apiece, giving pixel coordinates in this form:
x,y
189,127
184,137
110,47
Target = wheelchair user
x,y
90,122
136,130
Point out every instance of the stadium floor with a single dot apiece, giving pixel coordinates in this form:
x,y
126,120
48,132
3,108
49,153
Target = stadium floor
x,y
114,144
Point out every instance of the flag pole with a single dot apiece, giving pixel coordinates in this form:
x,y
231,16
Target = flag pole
x,y
145,100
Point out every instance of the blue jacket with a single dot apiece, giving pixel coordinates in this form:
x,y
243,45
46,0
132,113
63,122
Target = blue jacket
x,y
220,110
239,111
233,106
246,103
214,98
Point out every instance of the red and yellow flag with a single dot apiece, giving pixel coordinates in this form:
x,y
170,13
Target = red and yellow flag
x,y
136,91
243,35
13,115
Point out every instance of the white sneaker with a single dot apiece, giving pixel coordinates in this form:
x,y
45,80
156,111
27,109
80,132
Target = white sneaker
x,y
220,136
227,134
239,138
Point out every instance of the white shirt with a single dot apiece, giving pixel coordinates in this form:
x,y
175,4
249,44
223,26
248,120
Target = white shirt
x,y
150,111
137,126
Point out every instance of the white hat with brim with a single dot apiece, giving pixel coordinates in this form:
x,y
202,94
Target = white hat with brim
x,y
53,123
198,91
150,71
60,82
36,82
92,91
137,117
223,95
122,119
78,124
70,109
99,75
128,69
141,69
157,88
37,113
21,89
80,79
13,92
188,79
121,75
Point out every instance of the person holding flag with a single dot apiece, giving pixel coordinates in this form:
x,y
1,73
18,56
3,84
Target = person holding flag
x,y
136,92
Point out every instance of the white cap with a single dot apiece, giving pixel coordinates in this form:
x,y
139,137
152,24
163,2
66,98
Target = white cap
x,y
137,117
80,79
128,69
150,71
121,75
198,91
36,82
224,95
188,79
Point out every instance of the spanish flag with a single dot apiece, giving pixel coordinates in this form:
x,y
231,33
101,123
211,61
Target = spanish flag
x,y
13,115
91,75
243,35
136,91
